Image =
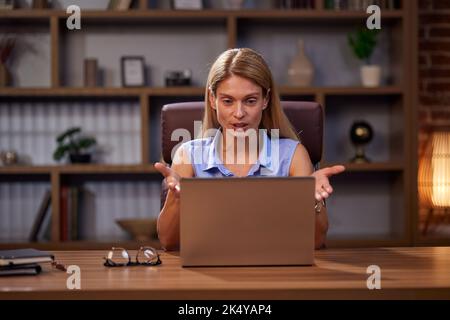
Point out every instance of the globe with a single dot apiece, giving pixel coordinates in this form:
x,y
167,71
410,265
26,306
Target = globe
x,y
361,133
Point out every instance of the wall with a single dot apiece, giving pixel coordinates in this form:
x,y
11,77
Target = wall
x,y
434,67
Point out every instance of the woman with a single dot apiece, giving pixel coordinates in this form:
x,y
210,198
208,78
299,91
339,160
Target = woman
x,y
240,98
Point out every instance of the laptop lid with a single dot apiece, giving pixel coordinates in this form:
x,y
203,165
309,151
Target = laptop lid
x,y
247,221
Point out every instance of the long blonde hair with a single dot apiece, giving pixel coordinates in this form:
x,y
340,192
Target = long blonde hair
x,y
248,64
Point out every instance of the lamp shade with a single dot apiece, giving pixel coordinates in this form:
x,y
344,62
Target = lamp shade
x,y
434,170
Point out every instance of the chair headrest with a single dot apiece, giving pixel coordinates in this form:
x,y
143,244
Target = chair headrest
x,y
305,116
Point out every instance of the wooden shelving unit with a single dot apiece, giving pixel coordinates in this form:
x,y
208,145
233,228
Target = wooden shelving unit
x,y
401,165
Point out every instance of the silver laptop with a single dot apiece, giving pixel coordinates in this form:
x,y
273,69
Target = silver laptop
x,y
247,221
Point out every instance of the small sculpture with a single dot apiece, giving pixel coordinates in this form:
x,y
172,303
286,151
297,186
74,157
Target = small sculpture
x,y
361,134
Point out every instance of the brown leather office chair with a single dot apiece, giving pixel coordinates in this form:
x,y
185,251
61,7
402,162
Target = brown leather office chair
x,y
306,117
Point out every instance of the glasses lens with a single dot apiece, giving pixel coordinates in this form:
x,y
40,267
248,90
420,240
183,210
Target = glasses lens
x,y
119,256
147,255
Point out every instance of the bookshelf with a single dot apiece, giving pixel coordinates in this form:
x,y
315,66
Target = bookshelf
x,y
202,35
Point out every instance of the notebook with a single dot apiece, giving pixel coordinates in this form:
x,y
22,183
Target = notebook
x,y
24,256
26,269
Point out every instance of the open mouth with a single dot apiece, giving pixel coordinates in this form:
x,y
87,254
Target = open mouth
x,y
240,126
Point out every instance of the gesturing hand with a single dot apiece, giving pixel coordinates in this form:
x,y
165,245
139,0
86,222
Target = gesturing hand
x,y
323,187
172,178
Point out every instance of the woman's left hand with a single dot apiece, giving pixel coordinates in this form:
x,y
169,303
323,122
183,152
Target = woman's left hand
x,y
323,187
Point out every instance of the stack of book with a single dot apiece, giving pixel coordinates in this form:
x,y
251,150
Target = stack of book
x,y
359,5
23,261
294,4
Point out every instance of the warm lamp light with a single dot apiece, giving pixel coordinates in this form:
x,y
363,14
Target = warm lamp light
x,y
434,172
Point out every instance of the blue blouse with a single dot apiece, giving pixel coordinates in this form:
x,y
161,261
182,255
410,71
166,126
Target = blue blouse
x,y
274,159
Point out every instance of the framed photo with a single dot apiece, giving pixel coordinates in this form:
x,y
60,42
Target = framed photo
x,y
133,71
188,4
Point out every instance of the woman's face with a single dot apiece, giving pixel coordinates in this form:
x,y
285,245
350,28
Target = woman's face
x,y
239,104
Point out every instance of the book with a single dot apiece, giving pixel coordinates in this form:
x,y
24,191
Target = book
x,y
64,214
27,269
24,256
120,5
40,217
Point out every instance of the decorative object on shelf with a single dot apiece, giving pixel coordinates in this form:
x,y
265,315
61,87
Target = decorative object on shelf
x,y
120,5
6,4
9,157
301,70
90,72
133,71
187,4
140,229
40,4
434,176
178,78
73,143
233,4
361,133
363,44
292,4
7,45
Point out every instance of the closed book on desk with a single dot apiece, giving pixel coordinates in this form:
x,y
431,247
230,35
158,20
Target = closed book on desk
x,y
24,256
16,270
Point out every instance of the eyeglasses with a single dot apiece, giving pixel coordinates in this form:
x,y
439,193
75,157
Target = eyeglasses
x,y
119,257
58,266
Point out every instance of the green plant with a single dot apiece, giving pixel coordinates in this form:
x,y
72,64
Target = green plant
x,y
71,141
363,43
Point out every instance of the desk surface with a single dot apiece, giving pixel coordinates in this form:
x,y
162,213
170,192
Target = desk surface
x,y
406,273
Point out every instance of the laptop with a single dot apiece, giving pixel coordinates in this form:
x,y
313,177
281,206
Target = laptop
x,y
252,221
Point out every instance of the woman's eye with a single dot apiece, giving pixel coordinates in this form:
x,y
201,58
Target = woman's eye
x,y
227,102
251,101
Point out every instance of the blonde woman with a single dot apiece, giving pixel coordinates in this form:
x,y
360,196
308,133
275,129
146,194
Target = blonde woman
x,y
242,120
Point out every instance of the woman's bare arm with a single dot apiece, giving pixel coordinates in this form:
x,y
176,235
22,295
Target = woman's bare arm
x,y
168,224
301,166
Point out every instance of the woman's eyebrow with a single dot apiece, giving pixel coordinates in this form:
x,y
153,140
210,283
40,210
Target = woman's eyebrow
x,y
247,96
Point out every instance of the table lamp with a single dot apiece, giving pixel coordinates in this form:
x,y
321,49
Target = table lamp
x,y
434,173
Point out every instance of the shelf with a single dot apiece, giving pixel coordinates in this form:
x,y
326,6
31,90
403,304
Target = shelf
x,y
369,167
184,91
79,169
101,92
388,198
202,14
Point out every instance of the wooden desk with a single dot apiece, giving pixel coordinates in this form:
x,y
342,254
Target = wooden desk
x,y
406,273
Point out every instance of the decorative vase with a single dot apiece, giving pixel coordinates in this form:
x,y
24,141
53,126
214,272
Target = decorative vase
x,y
371,76
80,158
301,70
5,76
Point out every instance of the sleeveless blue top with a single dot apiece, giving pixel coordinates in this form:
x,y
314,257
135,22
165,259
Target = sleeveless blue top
x,y
274,159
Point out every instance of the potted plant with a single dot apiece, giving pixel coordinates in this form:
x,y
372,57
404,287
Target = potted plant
x,y
73,143
363,44
6,47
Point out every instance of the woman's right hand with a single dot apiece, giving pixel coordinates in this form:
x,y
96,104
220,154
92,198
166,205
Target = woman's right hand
x,y
172,178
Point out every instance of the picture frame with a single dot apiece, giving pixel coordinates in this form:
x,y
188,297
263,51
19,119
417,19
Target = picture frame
x,y
187,4
133,71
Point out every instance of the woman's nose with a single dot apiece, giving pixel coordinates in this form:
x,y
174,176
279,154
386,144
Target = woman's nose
x,y
239,112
